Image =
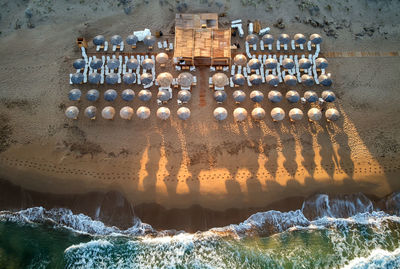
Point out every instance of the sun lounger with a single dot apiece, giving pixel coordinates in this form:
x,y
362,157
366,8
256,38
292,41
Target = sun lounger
x,y
171,46
233,67
102,75
212,68
165,44
309,45
231,82
278,45
262,45
239,71
159,44
121,46
248,82
192,68
245,72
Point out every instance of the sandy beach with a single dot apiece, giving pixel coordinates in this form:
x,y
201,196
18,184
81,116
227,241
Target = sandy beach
x,y
201,163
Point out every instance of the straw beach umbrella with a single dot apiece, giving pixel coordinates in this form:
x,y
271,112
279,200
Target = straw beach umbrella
x,y
304,63
99,40
112,78
258,113
149,40
220,96
128,95
163,113
113,63
332,114
255,79
90,112
72,112
146,78
314,114
325,80
328,96
163,95
143,112
220,113
144,95
290,80
292,96
77,78
220,80
126,113
321,63
238,79
272,80
132,40
132,63
94,78
184,96
129,78
299,39
271,63
164,79
256,96
79,64
96,63
277,114
239,96
92,95
316,39
240,114
295,114
307,80
240,59
284,38
267,39
108,113
116,40
288,63
110,95
74,95
162,58
254,64
311,96
185,79
183,113
148,64
252,39
274,96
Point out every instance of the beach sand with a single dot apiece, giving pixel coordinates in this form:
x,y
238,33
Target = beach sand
x,y
201,162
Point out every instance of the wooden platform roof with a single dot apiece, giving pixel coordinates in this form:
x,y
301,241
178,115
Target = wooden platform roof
x,y
190,21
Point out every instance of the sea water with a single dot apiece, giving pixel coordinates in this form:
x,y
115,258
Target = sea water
x,y
57,238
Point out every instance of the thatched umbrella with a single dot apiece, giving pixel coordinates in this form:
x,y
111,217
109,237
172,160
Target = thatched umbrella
x,y
163,95
288,63
292,96
321,63
148,64
220,113
143,112
72,112
239,96
110,95
149,40
240,114
92,95
304,63
132,63
183,113
77,78
132,40
325,80
240,59
220,96
284,38
79,64
94,78
185,79
163,113
272,80
274,96
271,63
277,114
255,79
332,114
307,80
184,96
96,63
290,80
74,95
129,78
314,114
220,80
112,78
311,96
116,40
295,114
252,39
258,113
126,113
256,96
162,58
164,79
108,113
113,63
128,95
316,39
254,64
328,96
300,39
267,39
90,112
144,95
146,78
238,79
99,40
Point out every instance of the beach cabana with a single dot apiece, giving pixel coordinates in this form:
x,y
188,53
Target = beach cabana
x,y
304,63
238,79
268,39
292,96
90,112
132,40
164,79
79,64
144,95
92,95
252,39
126,113
96,63
146,78
149,41
148,64
162,58
274,96
311,96
258,113
239,96
72,112
110,95
185,79
74,95
128,95
254,64
240,59
325,80
163,95
271,63
284,39
295,114
321,63
240,114
183,113
132,63
116,40
112,78
316,39
94,78
113,63
255,79
290,80
129,78
184,96
77,78
307,80
220,113
143,112
300,39
163,113
108,113
272,80
328,96
277,114
256,96
220,80
99,40
332,114
288,63
220,96
314,114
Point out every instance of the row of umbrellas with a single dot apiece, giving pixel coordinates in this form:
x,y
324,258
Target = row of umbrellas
x,y
299,39
271,63
274,96
116,40
277,114
126,112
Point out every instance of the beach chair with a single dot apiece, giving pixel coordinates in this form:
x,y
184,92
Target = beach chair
x,y
171,46
194,81
293,44
159,44
121,46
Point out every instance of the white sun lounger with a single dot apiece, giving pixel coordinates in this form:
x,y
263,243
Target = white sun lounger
x,y
239,71
231,82
293,45
262,45
121,46
171,46
233,67
278,45
159,44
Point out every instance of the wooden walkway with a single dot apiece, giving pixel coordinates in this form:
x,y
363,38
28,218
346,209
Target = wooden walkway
x,y
357,54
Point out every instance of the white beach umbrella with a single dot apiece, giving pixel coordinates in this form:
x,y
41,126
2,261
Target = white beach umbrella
x,y
255,79
94,78
79,64
314,114
290,80
149,40
162,58
328,96
272,80
332,114
254,64
284,38
292,96
267,39
148,64
321,63
163,95
240,114
277,114
90,112
252,39
220,113
183,113
128,95
295,114
77,78
307,80
239,96
143,112
240,59
116,40
129,78
300,38
163,113
108,113
220,80
220,96
274,96
164,79
238,79
132,63
126,113
74,95
184,96
325,80
132,40
99,40
288,63
258,113
311,96
113,63
304,63
145,95
256,96
271,63
72,112
185,79
146,78
316,39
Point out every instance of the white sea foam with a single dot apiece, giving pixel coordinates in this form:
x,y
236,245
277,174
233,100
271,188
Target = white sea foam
x,y
378,258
